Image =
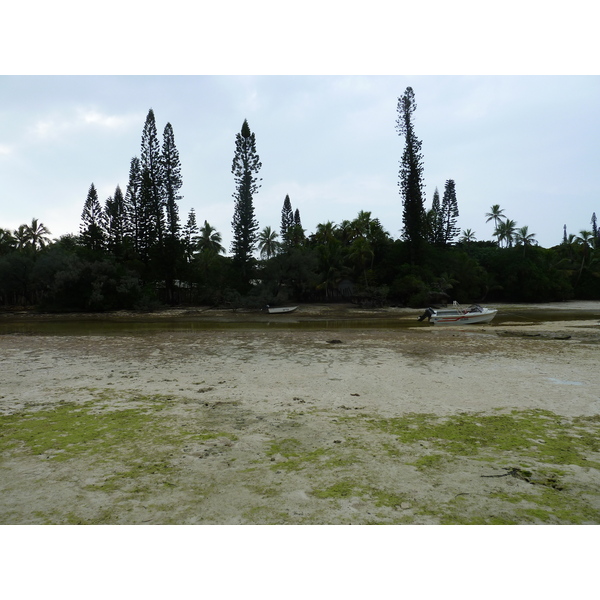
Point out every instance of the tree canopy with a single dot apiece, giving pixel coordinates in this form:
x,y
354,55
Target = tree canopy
x,y
133,252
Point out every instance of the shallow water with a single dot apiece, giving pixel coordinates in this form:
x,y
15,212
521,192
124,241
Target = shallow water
x,y
96,327
57,326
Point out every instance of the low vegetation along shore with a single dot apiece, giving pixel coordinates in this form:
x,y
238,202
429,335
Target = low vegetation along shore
x,y
317,425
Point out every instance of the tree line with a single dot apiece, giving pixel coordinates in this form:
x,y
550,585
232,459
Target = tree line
x,y
133,252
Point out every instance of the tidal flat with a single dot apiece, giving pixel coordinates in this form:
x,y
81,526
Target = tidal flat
x,y
494,424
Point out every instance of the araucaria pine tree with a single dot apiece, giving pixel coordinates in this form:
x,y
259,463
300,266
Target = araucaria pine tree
x,y
449,213
287,219
295,232
190,236
114,210
93,222
411,176
147,232
297,220
171,184
171,180
245,167
152,175
436,221
133,209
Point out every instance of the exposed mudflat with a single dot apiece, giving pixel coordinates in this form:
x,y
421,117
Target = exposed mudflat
x,y
415,425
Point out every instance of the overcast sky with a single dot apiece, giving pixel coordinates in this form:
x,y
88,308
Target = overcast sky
x,y
528,143
525,137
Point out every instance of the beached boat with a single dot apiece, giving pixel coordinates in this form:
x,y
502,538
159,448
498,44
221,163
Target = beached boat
x,y
456,315
277,310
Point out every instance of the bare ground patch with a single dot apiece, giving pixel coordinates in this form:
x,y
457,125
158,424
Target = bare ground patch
x,y
423,426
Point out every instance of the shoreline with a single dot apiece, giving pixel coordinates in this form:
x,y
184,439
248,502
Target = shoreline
x,y
305,311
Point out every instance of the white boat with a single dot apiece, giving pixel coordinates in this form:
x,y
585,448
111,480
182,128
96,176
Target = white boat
x,y
277,310
458,315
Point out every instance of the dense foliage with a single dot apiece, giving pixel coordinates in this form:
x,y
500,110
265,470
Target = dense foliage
x,y
133,253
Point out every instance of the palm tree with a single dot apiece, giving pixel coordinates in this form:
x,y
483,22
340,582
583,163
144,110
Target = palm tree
x,y
510,227
368,228
325,233
7,241
467,236
267,242
522,236
570,243
363,224
506,232
331,265
585,239
210,239
361,252
37,234
345,231
496,214
21,237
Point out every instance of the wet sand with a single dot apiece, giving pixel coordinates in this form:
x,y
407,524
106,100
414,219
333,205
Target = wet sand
x,y
317,426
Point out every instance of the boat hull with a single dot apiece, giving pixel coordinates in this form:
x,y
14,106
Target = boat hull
x,y
281,309
454,318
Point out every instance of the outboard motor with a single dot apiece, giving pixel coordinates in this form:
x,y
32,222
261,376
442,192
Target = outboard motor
x,y
426,315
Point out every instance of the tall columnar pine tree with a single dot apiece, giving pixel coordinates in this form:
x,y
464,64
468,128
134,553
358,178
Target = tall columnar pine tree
x,y
190,235
295,233
151,165
116,218
594,223
245,167
171,184
287,219
171,180
411,176
147,229
435,221
133,207
449,213
93,222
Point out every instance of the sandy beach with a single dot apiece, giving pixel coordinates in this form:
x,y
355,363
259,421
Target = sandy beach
x,y
419,424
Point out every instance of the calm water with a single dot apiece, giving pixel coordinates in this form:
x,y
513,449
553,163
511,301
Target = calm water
x,y
148,325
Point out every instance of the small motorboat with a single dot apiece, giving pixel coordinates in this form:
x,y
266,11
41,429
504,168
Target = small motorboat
x,y
277,310
458,315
